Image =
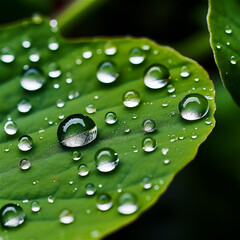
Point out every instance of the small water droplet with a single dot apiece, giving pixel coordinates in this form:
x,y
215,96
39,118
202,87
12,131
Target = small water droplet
x,y
10,127
106,159
76,155
126,129
25,164
77,130
149,125
110,49
156,76
127,204
166,161
131,99
51,199
7,55
110,118
184,72
91,109
165,151
149,144
54,70
53,44
107,72
60,103
25,143
24,106
137,56
233,60
26,43
104,202
34,55
66,216
218,46
87,54
170,89
90,189
32,79
228,30
83,170
35,206
11,216
193,106
73,94
146,183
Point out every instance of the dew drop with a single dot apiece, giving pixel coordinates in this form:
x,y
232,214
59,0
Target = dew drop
x,y
73,94
32,79
87,54
53,44
24,106
149,144
51,199
131,99
11,216
7,55
193,106
77,130
35,206
156,76
110,49
60,103
76,155
149,125
127,204
106,159
107,72
66,216
25,143
137,56
10,127
90,189
83,170
170,89
54,70
104,202
184,72
91,109
228,30
146,183
34,55
233,60
110,118
26,43
25,164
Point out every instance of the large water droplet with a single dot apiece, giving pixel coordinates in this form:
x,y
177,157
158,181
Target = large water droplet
x,y
66,216
193,106
90,189
131,98
149,125
11,216
106,159
77,130
104,202
110,118
107,72
32,79
149,144
137,56
127,204
25,164
35,206
25,143
83,170
157,76
24,106
10,127
7,55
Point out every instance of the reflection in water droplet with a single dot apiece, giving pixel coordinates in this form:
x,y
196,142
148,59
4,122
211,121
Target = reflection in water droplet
x,y
91,109
66,216
184,72
11,216
90,189
104,202
54,70
228,30
233,60
149,144
193,106
77,130
51,199
7,55
24,106
25,143
110,49
76,155
32,79
127,204
83,170
149,125
107,72
25,164
156,76
110,118
146,183
131,99
106,159
10,127
35,206
137,56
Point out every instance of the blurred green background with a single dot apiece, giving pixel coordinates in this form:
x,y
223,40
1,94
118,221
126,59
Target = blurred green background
x,y
203,200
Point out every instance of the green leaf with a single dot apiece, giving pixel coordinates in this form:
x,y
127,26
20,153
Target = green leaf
x,y
53,171
224,27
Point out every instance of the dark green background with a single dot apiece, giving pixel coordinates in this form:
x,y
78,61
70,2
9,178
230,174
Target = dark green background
x,y
203,200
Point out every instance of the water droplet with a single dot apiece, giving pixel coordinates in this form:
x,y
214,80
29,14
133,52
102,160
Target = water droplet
x,y
25,143
131,98
90,189
24,106
218,46
149,125
26,43
32,79
156,76
7,55
87,54
91,109
146,183
137,56
73,94
126,129
54,70
51,199
107,72
76,155
165,151
34,55
110,118
166,161
69,80
127,204
53,44
60,103
66,216
35,206
104,202
228,30
77,130
233,60
149,144
170,89
83,170
193,106
25,164
10,127
184,72
11,216
37,18
106,159
110,49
